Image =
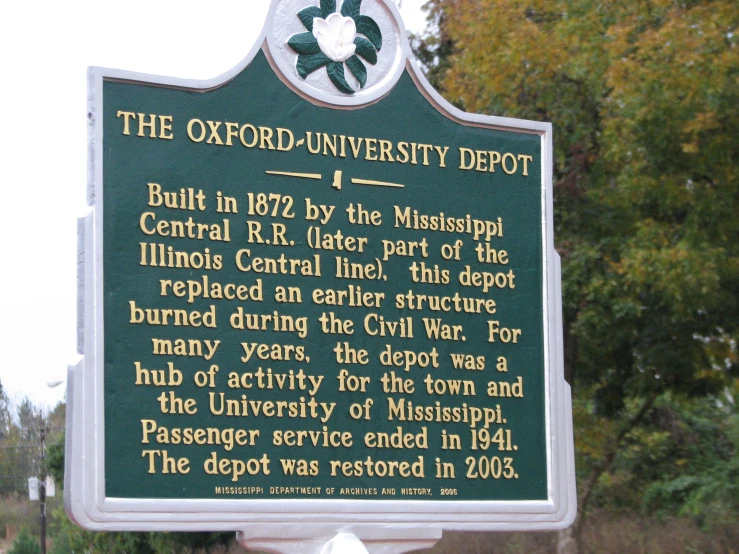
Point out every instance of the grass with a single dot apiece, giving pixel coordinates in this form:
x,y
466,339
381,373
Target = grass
x,y
602,534
17,512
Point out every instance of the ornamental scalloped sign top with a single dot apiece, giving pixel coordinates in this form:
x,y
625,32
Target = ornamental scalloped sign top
x,y
316,298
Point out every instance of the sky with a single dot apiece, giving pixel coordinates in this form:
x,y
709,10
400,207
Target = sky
x,y
46,48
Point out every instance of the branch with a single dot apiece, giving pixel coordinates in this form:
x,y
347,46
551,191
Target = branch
x,y
609,459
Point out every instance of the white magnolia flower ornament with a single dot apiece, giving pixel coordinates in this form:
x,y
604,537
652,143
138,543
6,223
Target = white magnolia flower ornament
x,y
335,36
334,40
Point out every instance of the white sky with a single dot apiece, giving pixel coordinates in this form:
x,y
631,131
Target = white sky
x,y
46,47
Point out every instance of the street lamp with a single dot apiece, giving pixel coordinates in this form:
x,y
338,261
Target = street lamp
x,y
42,479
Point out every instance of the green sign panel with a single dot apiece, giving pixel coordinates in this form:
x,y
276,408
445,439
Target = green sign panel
x,y
315,280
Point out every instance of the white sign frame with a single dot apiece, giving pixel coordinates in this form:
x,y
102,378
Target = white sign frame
x,y
410,522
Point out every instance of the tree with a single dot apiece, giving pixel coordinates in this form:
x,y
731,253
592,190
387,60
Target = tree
x,y
19,447
69,538
698,472
25,544
7,479
643,97
4,413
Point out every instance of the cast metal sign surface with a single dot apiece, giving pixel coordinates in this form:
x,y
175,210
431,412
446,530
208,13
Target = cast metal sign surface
x,y
314,291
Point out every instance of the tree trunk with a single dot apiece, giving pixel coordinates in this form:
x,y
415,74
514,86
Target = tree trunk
x,y
568,540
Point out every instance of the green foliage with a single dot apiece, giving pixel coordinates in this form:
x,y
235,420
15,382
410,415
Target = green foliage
x,y
55,461
357,68
682,461
311,58
4,413
307,64
188,543
327,7
704,482
644,103
350,8
67,537
70,539
307,16
434,50
367,27
19,444
645,180
366,50
304,43
335,72
25,544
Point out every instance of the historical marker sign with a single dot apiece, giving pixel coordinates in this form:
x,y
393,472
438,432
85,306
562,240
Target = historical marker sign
x,y
315,290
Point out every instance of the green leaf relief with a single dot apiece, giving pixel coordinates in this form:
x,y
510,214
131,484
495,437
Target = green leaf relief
x,y
357,68
367,27
336,74
304,43
366,50
327,8
306,16
310,57
308,63
350,8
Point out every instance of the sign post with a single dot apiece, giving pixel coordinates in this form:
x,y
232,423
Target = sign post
x,y
318,302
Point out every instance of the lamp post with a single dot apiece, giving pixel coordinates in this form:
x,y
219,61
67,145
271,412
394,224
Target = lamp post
x,y
42,487
42,475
